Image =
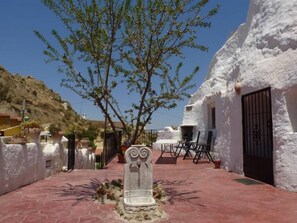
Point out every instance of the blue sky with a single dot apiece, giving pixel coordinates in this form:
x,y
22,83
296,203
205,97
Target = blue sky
x,y
21,50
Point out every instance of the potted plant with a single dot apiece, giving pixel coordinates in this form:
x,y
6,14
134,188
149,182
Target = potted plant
x,y
56,132
85,143
18,139
87,136
122,150
32,130
81,135
35,125
217,164
121,154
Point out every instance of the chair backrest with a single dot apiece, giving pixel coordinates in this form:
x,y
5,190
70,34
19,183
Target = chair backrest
x,y
195,145
198,135
208,142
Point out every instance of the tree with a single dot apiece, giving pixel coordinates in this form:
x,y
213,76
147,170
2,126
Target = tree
x,y
127,45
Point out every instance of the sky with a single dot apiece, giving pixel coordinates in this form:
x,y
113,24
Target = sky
x,y
21,51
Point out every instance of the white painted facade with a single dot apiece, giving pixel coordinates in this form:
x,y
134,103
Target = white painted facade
x,y
260,54
24,164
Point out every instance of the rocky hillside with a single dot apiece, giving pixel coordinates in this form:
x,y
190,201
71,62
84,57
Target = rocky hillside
x,y
43,104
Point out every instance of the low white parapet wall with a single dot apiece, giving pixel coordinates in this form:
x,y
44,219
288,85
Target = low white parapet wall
x,y
166,136
24,164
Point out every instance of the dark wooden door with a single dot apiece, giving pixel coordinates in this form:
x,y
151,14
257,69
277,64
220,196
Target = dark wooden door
x,y
257,136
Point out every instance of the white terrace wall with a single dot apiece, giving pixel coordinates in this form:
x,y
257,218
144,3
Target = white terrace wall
x,y
167,135
261,53
24,164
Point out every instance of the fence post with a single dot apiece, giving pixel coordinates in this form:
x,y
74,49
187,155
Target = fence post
x,y
71,151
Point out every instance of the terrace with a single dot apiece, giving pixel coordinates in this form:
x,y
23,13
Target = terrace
x,y
194,193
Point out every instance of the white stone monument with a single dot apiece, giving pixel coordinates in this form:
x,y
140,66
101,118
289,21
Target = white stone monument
x,y
138,180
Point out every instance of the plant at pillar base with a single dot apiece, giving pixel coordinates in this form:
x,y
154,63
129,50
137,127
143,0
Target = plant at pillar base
x,y
122,150
31,130
90,133
31,126
56,132
121,154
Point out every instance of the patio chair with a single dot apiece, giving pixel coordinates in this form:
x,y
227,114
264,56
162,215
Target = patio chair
x,y
182,145
204,148
192,146
178,148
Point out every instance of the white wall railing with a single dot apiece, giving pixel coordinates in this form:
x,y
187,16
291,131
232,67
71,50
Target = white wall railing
x,y
24,164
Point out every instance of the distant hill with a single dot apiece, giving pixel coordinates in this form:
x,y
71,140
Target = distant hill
x,y
43,104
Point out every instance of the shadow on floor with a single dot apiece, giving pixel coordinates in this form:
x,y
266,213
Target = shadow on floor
x,y
166,160
247,181
174,195
79,192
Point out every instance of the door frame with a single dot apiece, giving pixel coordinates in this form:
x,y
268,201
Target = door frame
x,y
257,135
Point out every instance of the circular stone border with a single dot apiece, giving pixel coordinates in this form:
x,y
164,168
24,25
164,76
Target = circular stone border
x,y
111,192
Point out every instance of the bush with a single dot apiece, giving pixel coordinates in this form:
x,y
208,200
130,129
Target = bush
x,y
4,89
54,128
31,124
18,100
90,133
98,166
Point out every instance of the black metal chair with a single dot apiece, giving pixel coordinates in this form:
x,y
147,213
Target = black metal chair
x,y
179,147
192,146
204,148
182,145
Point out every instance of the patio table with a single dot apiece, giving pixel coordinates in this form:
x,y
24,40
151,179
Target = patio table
x,y
167,145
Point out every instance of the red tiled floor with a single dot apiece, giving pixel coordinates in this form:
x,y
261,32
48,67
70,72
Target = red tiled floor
x,y
196,193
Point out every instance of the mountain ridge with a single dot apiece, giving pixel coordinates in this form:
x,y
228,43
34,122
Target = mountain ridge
x,y
42,103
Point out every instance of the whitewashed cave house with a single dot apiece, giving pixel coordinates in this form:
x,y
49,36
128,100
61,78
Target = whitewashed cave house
x,y
249,96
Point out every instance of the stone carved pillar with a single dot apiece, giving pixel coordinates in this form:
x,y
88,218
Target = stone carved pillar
x,y
138,180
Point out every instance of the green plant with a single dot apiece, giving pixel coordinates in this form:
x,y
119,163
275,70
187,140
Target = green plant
x,y
4,89
92,144
98,166
71,129
54,128
17,139
90,133
112,190
31,124
79,133
18,136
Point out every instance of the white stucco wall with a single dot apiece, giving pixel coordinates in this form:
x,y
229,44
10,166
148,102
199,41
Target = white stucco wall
x,y
24,164
84,159
260,54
